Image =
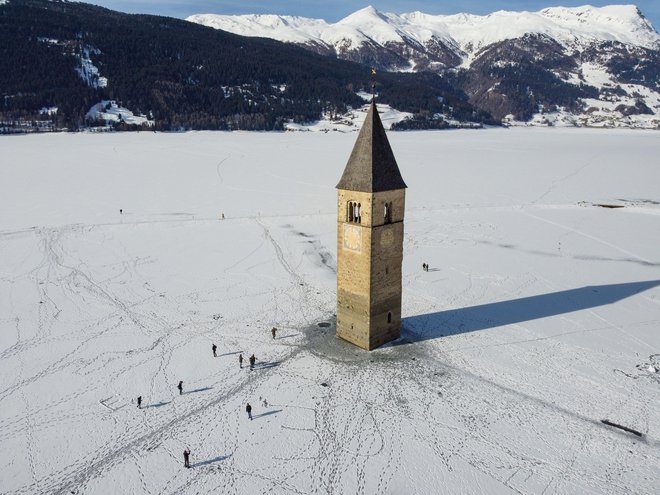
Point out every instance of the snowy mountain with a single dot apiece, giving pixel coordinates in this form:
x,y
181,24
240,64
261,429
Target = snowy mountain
x,y
497,58
464,35
574,67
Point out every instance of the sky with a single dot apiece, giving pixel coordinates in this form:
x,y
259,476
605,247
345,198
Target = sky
x,y
334,10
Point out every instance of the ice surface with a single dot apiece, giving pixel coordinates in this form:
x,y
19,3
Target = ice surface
x,y
538,318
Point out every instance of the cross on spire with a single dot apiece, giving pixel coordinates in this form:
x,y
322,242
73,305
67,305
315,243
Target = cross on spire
x,y
373,84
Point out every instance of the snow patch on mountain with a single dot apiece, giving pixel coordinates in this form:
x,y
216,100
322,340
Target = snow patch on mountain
x,y
110,112
624,106
50,41
291,29
352,120
364,26
577,26
596,75
88,72
48,110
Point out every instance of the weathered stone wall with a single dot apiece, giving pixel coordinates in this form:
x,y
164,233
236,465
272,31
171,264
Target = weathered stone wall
x,y
353,269
398,200
369,257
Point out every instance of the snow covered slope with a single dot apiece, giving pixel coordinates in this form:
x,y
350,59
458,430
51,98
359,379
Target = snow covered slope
x,y
279,27
109,111
538,318
582,66
464,33
352,120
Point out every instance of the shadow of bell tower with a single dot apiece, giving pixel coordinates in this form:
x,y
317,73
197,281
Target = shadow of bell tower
x,y
486,316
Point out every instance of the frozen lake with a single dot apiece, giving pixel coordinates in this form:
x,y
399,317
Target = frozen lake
x,y
538,319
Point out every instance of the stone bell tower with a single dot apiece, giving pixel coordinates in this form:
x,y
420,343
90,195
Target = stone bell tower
x,y
370,207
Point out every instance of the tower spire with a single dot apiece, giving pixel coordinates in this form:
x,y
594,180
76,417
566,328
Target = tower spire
x,y
371,166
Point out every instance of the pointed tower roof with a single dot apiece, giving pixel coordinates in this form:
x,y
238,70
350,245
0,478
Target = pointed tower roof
x,y
371,166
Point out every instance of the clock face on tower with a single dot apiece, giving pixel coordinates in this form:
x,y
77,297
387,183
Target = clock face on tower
x,y
352,238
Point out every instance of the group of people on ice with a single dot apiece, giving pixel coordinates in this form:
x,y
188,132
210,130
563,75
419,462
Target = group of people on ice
x,y
248,408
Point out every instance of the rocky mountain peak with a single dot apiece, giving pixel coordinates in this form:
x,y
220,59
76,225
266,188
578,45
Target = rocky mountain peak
x,y
515,65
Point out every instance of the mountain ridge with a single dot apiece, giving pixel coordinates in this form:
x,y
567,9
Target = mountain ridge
x,y
594,66
465,33
65,65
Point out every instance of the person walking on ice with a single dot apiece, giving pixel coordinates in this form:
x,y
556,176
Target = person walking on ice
x,y
274,331
186,458
214,348
248,409
252,361
240,360
180,387
139,401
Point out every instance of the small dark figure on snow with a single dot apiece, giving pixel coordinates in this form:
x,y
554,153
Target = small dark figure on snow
x,y
214,348
274,331
186,458
252,361
248,409
121,211
139,401
240,360
265,402
180,387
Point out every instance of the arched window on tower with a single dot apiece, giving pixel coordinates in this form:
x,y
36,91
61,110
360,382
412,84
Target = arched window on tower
x,y
387,213
354,212
389,317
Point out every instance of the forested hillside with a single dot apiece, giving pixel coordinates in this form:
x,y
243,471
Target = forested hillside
x,y
70,56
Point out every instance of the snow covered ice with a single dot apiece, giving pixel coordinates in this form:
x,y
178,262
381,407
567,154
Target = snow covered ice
x,y
538,318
